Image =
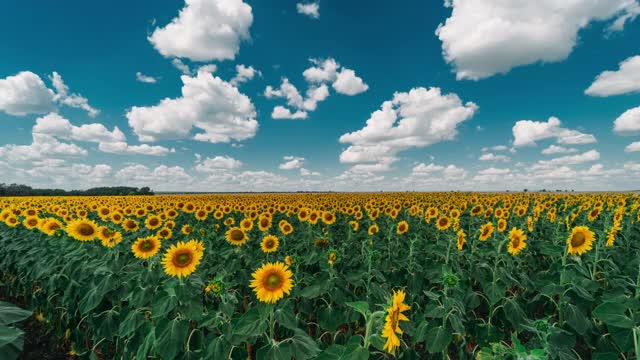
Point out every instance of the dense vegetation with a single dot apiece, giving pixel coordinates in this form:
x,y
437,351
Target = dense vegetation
x,y
25,190
329,276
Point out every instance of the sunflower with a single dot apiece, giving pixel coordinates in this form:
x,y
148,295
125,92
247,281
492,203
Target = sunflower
x,y
580,241
145,248
485,231
229,221
269,244
83,229
502,225
593,214
354,225
328,217
333,257
235,236
30,222
373,229
186,229
181,259
271,281
443,223
402,227
285,227
130,225
264,223
214,287
289,260
303,214
165,233
395,314
201,214
246,224
462,239
116,238
50,226
517,241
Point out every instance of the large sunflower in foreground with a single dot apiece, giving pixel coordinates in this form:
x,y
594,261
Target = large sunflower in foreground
x,y
145,248
271,281
395,314
235,236
402,227
83,229
517,241
580,241
181,259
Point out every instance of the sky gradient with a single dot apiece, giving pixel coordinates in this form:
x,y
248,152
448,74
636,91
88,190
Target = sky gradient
x,y
232,95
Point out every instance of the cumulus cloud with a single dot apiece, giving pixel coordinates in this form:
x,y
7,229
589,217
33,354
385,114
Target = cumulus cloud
x,y
243,74
527,132
43,147
145,78
291,163
307,172
217,163
633,147
25,93
494,157
589,156
348,83
205,30
72,100
310,9
622,81
139,174
207,103
484,38
496,148
317,77
628,123
418,118
555,149
122,147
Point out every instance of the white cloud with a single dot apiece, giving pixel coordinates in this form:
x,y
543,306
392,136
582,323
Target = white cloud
x,y
348,83
139,174
323,71
184,68
281,112
425,169
287,91
218,163
496,148
589,156
207,103
494,157
291,163
72,100
25,93
122,147
622,81
145,78
205,30
628,123
243,74
310,9
633,147
43,147
482,38
315,94
307,172
210,68
527,132
418,118
555,149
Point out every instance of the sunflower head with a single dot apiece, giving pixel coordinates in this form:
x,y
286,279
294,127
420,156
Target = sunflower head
x,y
271,281
144,248
82,230
517,241
443,223
269,244
235,236
402,227
181,259
391,328
580,240
373,229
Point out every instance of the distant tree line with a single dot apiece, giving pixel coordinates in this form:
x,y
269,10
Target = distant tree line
x,y
26,190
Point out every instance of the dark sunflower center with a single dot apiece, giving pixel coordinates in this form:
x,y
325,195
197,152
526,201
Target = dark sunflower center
x,y
146,245
443,222
516,241
272,281
270,244
287,228
153,222
237,235
86,230
578,239
182,259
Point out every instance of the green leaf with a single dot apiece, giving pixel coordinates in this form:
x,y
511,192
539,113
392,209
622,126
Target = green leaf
x,y
360,306
274,352
250,323
90,301
352,351
218,348
576,319
613,314
146,346
10,313
437,339
131,323
11,342
303,346
286,317
171,339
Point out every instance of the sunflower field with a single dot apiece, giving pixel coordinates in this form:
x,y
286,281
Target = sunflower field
x,y
325,276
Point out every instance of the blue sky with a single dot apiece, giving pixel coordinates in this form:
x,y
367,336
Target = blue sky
x,y
479,95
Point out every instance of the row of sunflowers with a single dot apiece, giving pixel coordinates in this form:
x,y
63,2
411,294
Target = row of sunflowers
x,y
329,276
